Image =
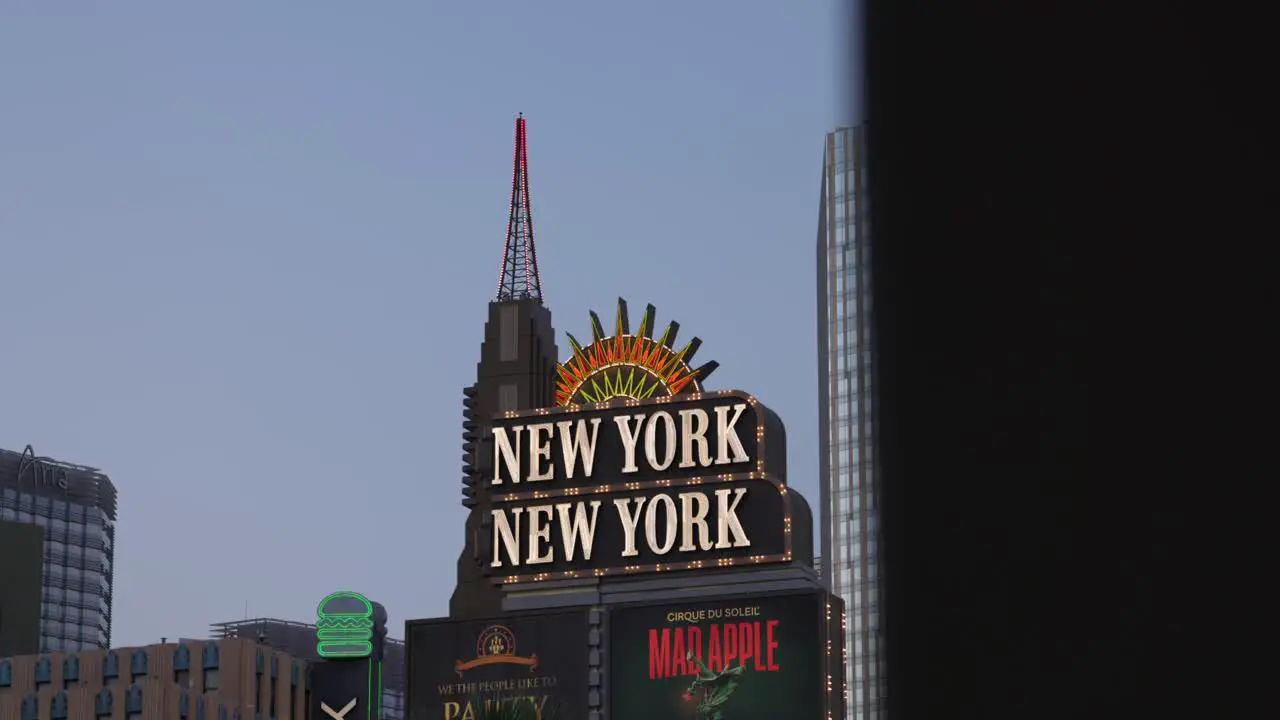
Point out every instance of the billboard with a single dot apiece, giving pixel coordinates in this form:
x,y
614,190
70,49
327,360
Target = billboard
x,y
679,482
457,669
22,568
742,658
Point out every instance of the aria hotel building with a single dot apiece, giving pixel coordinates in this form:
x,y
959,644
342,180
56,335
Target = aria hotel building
x,y
75,507
846,398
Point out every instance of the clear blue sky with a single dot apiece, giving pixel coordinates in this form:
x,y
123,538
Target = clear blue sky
x,y
246,251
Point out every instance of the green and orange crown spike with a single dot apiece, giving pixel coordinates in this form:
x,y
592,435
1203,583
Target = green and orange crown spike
x,y
629,365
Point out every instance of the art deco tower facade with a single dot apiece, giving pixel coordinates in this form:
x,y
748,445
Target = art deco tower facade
x,y
517,371
846,398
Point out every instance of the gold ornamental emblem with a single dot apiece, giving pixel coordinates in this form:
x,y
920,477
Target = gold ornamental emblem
x,y
496,646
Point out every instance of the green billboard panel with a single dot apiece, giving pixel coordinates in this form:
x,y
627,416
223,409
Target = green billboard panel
x,y
740,658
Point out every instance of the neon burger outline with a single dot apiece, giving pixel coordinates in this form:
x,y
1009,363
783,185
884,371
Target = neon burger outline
x,y
344,625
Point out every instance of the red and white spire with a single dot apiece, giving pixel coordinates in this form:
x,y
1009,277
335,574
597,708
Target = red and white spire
x,y
519,279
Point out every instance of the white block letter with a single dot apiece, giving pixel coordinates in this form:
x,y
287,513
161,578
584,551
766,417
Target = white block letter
x,y
694,522
629,522
579,530
651,524
693,429
728,517
540,452
539,535
728,435
651,441
504,453
629,437
578,442
506,538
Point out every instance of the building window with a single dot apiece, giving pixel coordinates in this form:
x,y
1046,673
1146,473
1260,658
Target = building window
x,y
182,666
44,671
508,396
184,702
199,708
133,704
509,333
293,673
58,708
29,709
222,713
70,670
182,658
102,705
271,689
110,668
138,664
209,658
6,673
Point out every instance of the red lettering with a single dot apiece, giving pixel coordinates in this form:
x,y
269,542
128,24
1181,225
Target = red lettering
x,y
746,644
771,646
730,644
714,661
678,666
659,654
758,637
695,646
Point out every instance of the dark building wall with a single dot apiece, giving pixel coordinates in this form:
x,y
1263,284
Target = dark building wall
x,y
516,372
21,580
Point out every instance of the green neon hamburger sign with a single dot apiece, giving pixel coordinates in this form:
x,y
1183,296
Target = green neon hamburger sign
x,y
344,626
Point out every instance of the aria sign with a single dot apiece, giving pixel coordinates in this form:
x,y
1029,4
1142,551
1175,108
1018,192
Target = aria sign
x,y
684,481
40,474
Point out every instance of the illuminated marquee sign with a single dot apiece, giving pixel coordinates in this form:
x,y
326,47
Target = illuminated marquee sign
x,y
350,639
765,656
627,365
522,665
344,626
685,481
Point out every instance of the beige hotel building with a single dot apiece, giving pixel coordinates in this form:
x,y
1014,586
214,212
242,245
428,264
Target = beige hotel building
x,y
232,679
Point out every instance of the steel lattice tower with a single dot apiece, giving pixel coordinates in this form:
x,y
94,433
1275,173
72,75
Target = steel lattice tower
x,y
519,279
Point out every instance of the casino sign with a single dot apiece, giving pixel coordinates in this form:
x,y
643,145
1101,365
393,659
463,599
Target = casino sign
x,y
629,365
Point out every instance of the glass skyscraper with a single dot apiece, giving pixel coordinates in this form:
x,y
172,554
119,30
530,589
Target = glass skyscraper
x,y
846,398
76,507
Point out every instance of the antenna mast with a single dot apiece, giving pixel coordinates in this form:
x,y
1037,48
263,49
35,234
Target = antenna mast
x,y
519,279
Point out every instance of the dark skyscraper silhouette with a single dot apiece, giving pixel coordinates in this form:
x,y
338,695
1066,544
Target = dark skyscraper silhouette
x,y
516,372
